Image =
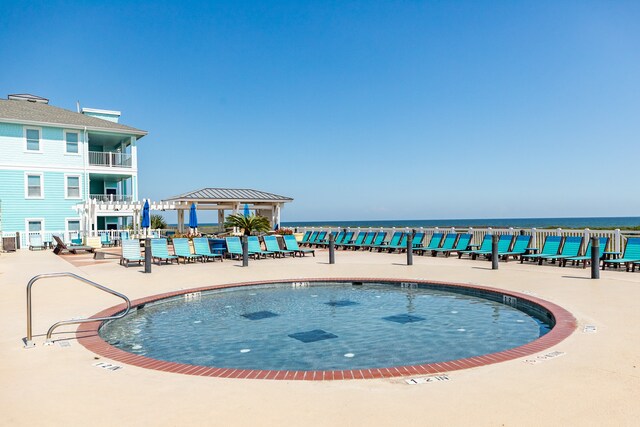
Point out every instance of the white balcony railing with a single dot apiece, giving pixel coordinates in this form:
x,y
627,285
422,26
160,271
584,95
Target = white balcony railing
x,y
115,160
111,197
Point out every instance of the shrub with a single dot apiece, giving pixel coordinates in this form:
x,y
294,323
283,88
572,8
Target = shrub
x,y
284,231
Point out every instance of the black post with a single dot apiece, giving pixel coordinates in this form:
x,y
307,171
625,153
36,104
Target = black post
x,y
245,251
410,249
18,240
332,249
494,252
595,258
147,255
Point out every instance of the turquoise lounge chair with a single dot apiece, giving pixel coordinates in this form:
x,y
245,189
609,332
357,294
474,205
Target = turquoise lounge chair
x,y
551,247
570,249
35,242
377,241
201,247
311,239
519,248
631,254
504,244
337,237
461,245
367,239
105,239
434,243
586,257
395,240
321,238
234,247
131,252
402,244
182,250
349,240
160,251
448,244
305,238
484,246
254,247
271,242
292,245
418,239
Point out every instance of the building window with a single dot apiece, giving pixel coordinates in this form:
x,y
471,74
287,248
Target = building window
x,y
34,186
33,139
72,142
73,228
34,226
73,225
73,187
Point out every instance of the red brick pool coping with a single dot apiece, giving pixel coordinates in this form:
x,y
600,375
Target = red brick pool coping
x,y
87,334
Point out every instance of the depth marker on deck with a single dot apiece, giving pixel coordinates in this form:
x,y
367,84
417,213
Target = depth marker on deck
x,y
544,357
425,380
107,366
590,329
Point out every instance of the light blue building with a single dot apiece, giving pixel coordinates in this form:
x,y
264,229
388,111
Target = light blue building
x,y
54,161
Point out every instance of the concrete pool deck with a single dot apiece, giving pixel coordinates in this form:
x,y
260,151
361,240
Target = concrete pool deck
x,y
595,382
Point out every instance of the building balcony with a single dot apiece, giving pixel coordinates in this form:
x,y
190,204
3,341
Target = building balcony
x,y
109,159
112,197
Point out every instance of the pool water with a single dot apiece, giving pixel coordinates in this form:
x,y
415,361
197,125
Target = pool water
x,y
321,326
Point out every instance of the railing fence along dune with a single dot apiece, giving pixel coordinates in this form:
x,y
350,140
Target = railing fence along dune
x,y
617,237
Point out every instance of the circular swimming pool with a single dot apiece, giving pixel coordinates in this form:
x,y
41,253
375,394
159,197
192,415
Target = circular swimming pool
x,y
331,326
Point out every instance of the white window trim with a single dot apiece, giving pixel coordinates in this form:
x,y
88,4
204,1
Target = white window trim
x,y
28,220
26,149
66,186
66,224
65,143
26,185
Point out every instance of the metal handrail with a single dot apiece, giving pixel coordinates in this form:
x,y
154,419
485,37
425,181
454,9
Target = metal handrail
x,y
29,342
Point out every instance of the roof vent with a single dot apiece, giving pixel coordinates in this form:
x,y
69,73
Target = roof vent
x,y
28,97
109,115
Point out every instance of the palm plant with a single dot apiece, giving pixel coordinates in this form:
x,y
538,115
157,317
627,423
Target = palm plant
x,y
248,223
158,222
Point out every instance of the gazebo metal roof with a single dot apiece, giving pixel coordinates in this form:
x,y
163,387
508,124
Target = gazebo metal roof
x,y
239,195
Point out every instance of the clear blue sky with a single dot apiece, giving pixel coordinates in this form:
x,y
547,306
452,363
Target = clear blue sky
x,y
358,110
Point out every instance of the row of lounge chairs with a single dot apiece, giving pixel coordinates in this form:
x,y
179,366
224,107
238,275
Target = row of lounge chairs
x,y
555,248
201,251
160,251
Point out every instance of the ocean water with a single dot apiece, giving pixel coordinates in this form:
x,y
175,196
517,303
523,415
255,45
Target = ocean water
x,y
593,222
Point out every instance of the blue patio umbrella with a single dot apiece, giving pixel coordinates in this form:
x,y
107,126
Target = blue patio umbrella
x,y
146,218
193,217
246,211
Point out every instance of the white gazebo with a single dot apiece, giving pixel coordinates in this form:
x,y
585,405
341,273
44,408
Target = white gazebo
x,y
265,204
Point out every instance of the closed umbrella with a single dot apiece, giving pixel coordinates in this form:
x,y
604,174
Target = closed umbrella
x,y
193,218
146,218
246,211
